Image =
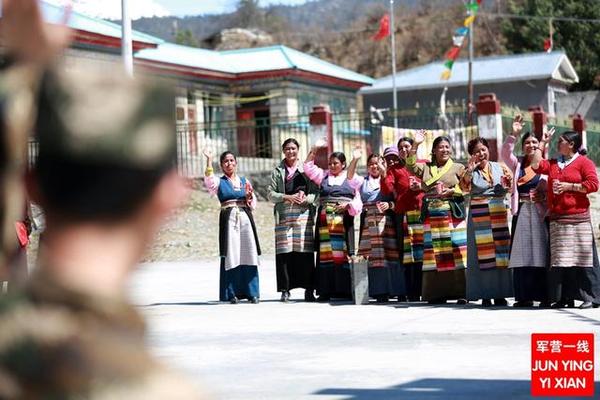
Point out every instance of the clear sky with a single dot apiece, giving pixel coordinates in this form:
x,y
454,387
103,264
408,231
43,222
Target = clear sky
x,y
111,9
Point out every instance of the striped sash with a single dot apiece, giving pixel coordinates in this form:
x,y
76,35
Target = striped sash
x,y
332,237
444,239
490,222
413,237
294,230
378,239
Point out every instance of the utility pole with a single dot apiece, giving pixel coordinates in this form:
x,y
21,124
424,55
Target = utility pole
x,y
470,84
126,46
395,94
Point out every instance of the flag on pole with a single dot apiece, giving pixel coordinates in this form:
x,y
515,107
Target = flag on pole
x,y
548,45
384,28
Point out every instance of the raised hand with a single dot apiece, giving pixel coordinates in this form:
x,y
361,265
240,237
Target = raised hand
x,y
517,125
473,163
357,153
207,153
419,137
320,143
547,135
27,37
381,165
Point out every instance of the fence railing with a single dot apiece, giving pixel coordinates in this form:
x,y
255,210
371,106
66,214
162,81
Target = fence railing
x,y
257,143
593,137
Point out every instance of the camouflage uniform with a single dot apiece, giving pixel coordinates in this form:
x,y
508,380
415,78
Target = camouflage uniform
x,y
59,343
17,87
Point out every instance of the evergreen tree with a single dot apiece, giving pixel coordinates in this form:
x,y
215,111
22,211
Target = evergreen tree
x,y
579,39
186,38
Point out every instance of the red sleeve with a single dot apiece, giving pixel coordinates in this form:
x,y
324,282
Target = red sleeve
x,y
402,182
388,182
589,176
543,168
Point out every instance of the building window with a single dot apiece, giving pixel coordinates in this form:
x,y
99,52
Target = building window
x,y
306,102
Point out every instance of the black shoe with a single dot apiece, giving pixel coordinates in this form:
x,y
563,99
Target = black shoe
x,y
382,299
234,300
545,304
402,299
563,304
486,303
309,297
586,305
413,298
254,300
285,296
323,298
501,302
522,304
462,302
437,301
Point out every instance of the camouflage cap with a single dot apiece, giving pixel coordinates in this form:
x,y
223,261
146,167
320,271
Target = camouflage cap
x,y
105,118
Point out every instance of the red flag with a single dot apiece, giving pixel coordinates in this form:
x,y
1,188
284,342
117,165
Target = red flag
x,y
548,45
384,28
452,54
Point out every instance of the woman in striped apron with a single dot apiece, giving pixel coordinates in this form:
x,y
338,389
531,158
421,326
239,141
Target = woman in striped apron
x,y
334,234
444,226
574,267
380,239
238,242
295,197
488,237
530,249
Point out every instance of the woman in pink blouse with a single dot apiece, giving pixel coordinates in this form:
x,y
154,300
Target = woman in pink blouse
x,y
334,234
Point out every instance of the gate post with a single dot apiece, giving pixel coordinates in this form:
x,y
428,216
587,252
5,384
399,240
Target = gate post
x,y
579,127
489,120
321,127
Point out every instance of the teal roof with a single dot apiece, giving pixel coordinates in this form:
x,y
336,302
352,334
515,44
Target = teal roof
x,y
248,60
233,61
495,69
54,14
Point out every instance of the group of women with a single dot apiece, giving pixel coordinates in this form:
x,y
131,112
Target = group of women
x,y
415,233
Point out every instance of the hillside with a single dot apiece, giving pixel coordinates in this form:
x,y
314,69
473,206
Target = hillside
x,y
340,30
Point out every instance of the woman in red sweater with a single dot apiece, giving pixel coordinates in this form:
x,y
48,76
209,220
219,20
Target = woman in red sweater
x,y
575,270
408,194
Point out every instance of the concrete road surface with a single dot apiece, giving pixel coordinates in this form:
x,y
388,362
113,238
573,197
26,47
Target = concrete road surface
x,y
340,351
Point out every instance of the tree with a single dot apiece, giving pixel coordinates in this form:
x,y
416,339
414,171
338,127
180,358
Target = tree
x,y
579,39
249,14
186,38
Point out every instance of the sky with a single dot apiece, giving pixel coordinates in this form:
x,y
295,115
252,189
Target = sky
x,y
111,9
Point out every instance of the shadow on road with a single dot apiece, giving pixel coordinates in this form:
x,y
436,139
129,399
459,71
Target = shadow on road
x,y
445,389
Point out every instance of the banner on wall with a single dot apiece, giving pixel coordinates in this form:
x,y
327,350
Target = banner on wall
x,y
459,137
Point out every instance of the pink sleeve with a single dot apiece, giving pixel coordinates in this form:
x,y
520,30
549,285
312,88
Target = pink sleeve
x,y
211,183
313,172
356,181
507,152
355,206
543,168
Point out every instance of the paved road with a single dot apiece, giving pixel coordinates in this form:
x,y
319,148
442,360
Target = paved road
x,y
340,351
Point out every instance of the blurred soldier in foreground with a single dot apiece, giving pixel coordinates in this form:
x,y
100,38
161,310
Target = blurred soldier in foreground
x,y
105,179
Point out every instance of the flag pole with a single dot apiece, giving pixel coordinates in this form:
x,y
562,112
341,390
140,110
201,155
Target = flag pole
x,y
392,30
470,85
126,46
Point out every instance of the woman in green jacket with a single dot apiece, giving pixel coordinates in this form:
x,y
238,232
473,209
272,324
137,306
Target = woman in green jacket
x,y
295,197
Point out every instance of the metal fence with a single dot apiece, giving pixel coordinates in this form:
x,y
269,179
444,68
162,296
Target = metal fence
x,y
593,137
257,143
